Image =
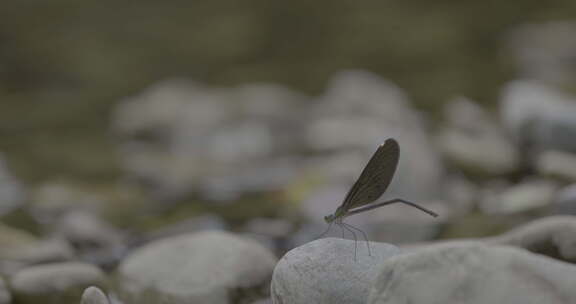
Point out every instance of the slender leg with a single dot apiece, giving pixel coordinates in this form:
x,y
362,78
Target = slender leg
x,y
363,234
396,200
342,224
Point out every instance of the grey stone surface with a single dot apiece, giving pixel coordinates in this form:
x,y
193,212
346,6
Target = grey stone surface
x,y
553,236
326,271
5,295
471,273
61,283
205,267
93,295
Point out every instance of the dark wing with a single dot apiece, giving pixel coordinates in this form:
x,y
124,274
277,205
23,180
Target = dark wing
x,y
375,177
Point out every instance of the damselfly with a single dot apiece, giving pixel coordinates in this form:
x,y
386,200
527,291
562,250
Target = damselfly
x,y
373,181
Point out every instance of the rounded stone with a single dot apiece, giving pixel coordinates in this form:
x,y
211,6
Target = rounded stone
x,y
93,295
205,267
328,270
60,283
471,273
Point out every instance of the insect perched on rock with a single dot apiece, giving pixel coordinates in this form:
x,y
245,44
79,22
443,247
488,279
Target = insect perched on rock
x,y
373,181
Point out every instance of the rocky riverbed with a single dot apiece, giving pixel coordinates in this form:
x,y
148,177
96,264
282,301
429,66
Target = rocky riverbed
x,y
217,193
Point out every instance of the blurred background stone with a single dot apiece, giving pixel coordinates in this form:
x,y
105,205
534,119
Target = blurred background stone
x,y
473,142
541,117
19,248
195,224
525,196
565,201
557,164
180,135
552,236
204,267
55,283
94,240
12,192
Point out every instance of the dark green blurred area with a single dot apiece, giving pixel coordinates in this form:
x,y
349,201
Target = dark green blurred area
x,y
64,64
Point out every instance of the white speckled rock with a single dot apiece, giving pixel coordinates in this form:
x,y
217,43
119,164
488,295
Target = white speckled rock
x,y
60,283
93,295
470,273
206,267
325,271
5,296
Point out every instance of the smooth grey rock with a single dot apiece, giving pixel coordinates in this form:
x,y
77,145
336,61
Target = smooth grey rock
x,y
565,202
61,283
93,295
326,271
205,267
5,295
471,273
553,236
